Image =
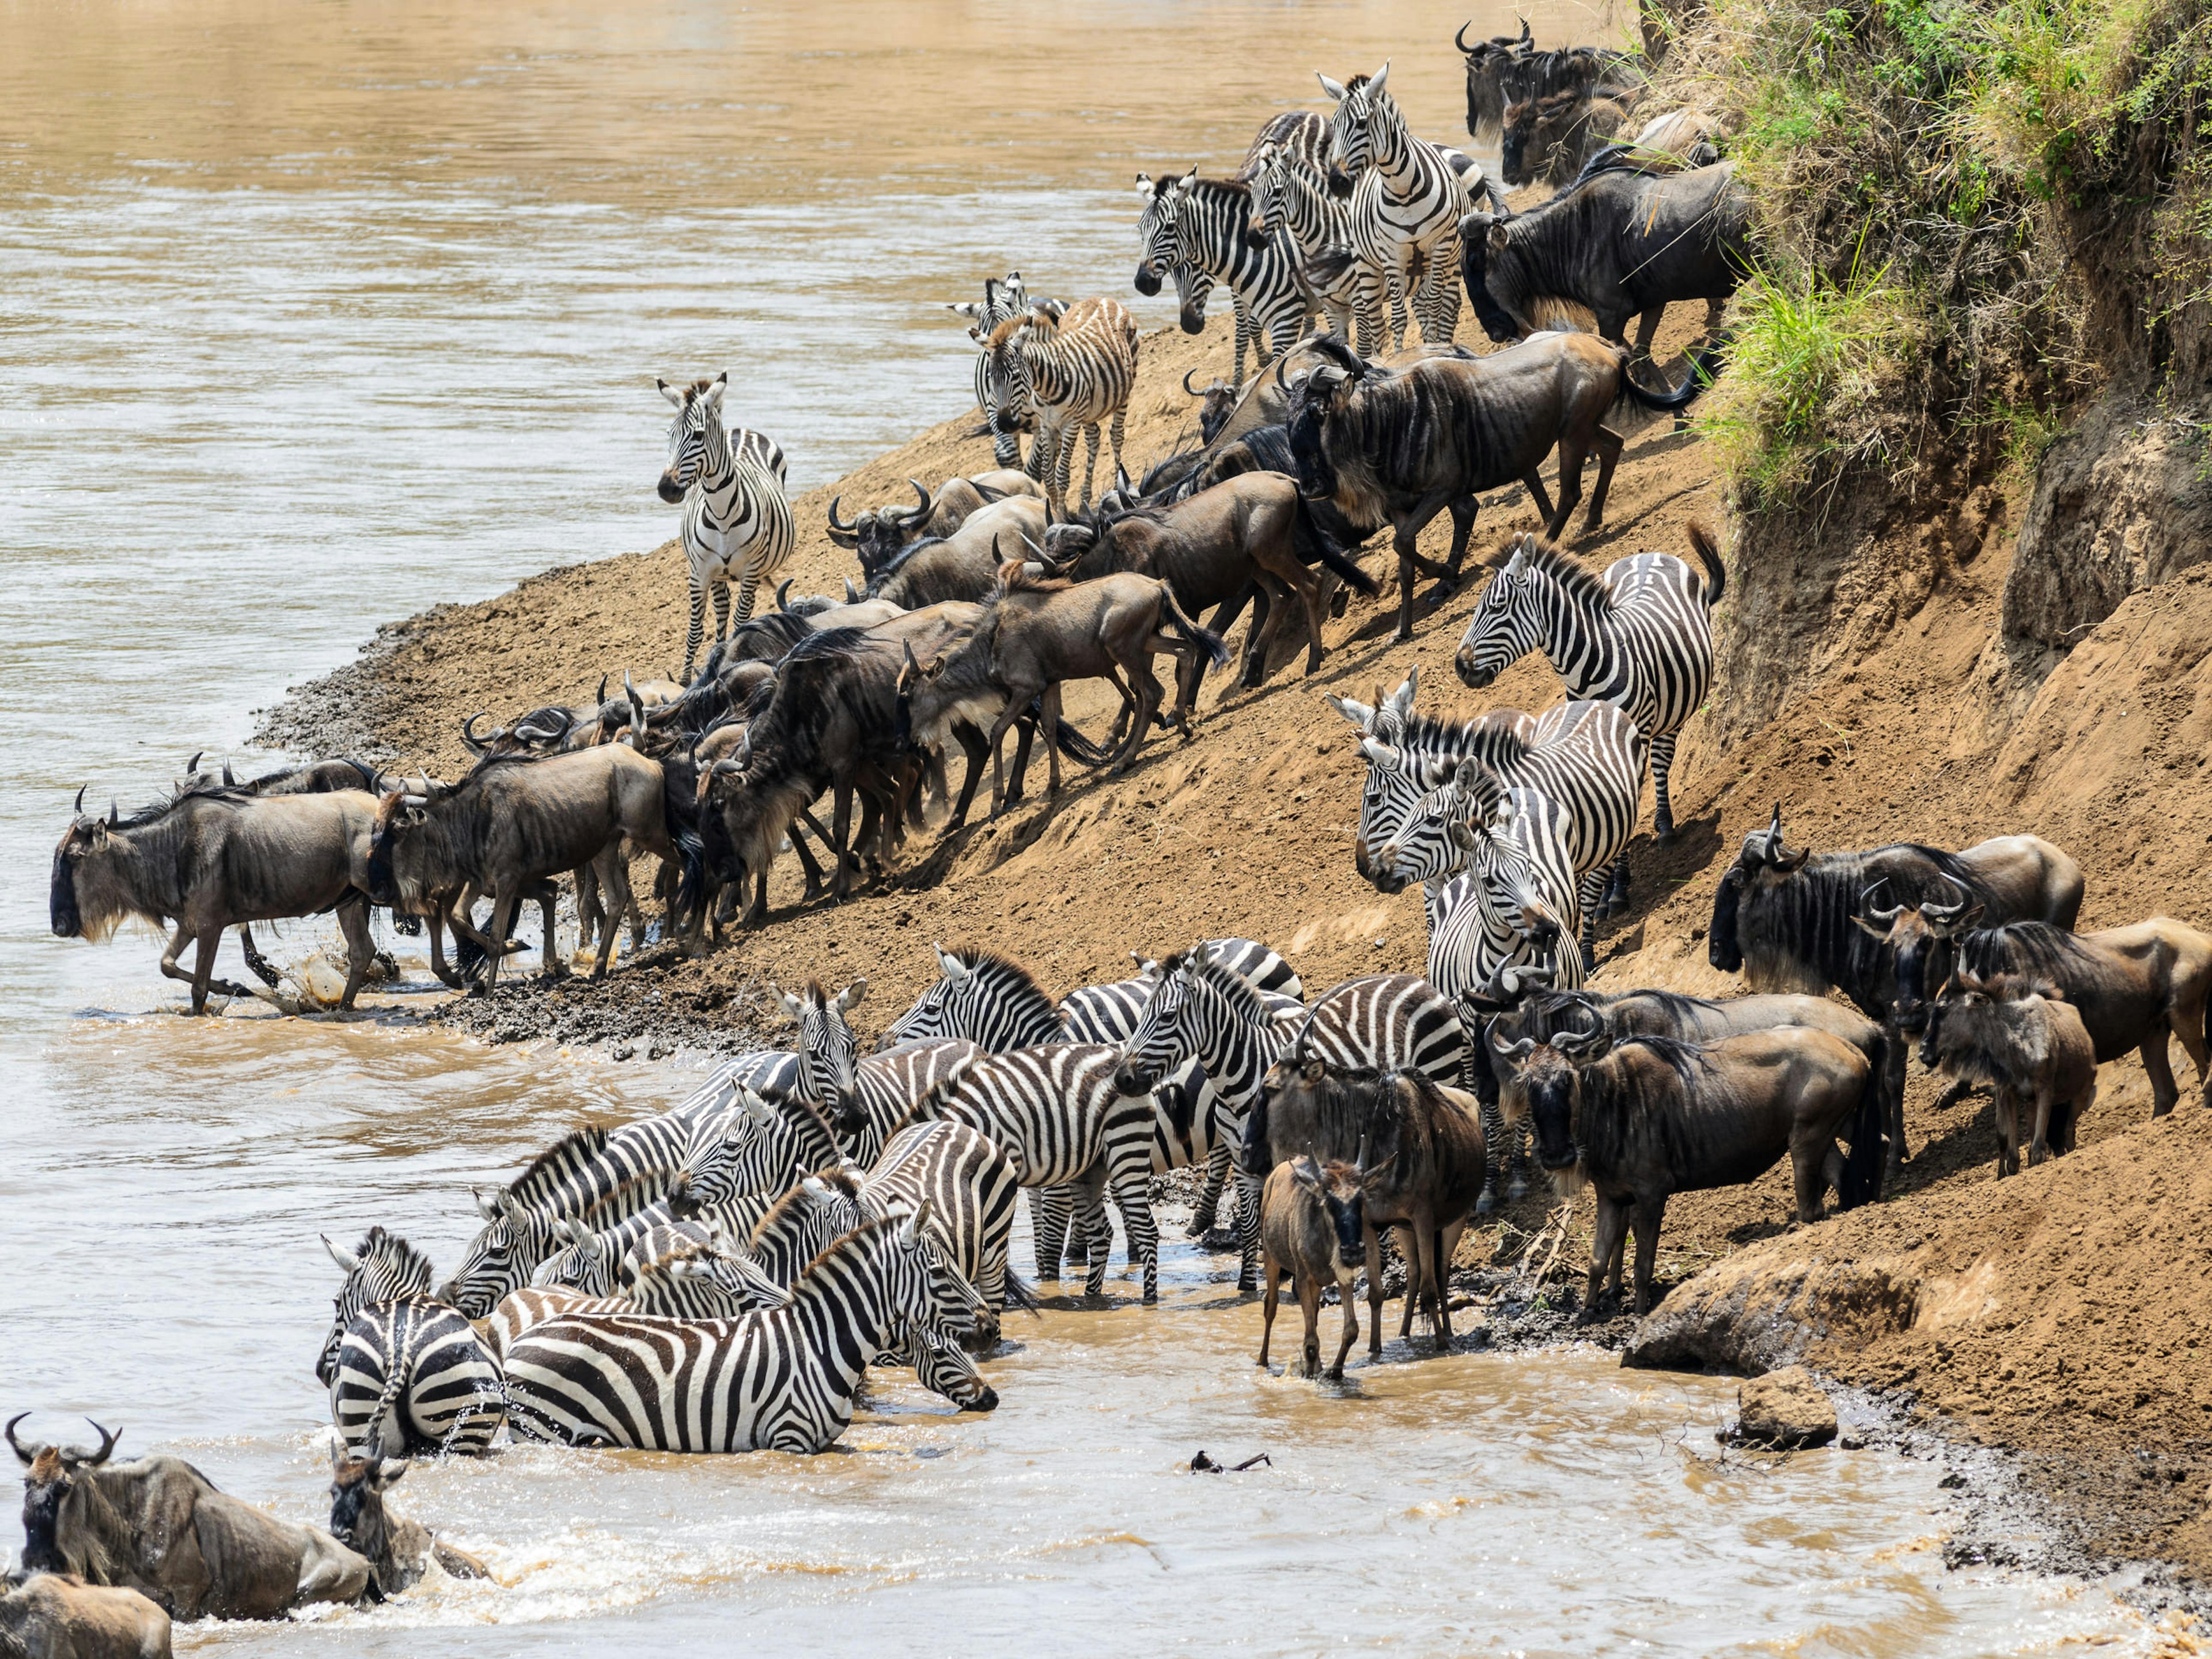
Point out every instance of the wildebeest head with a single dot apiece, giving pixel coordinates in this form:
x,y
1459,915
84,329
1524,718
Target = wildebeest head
x,y
1518,126
696,428
86,842
1992,1031
1919,938
1362,106
1475,230
881,534
1341,1189
357,1515
1216,404
1487,64
1315,400
1764,863
827,1050
1547,1084
56,1493
402,816
382,1268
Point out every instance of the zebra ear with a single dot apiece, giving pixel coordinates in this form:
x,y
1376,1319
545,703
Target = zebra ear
x,y
851,995
1401,700
347,1263
791,1005
1334,88
485,1207
1144,187
1380,755
716,387
673,393
1357,713
1374,86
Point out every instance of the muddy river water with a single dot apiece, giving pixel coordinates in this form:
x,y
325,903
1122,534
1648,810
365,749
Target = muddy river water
x,y
311,316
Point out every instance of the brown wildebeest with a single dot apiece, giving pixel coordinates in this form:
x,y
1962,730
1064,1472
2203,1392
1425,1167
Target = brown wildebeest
x,y
1397,446
1429,1168
515,822
1788,919
1645,1118
2019,1035
964,565
2131,986
160,1527
1044,631
210,859
1209,549
879,535
398,1551
54,1615
1312,1226
1549,138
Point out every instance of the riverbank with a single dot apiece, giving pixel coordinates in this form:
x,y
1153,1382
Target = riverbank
x,y
1908,723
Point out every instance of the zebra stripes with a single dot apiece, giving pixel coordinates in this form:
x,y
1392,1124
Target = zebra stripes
x,y
1304,132
1074,366
1639,637
1385,1022
737,520
1200,231
1290,194
967,1184
1003,297
407,1375
782,1379
1406,201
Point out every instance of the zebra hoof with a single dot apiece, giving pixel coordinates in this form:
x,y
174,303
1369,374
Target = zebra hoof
x,y
1486,1203
1519,1188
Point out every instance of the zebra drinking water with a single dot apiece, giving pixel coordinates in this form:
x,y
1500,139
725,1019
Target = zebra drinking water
x,y
1639,637
737,520
1200,231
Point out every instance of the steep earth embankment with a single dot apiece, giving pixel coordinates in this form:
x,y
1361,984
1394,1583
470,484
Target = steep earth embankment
x,y
2054,1314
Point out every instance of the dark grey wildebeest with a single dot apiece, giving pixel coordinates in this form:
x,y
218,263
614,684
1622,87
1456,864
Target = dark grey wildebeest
x,y
212,859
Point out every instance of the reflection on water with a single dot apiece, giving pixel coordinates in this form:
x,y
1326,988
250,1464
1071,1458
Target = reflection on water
x,y
311,316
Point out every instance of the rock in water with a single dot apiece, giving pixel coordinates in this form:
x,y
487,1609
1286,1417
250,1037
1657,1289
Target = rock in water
x,y
1782,1411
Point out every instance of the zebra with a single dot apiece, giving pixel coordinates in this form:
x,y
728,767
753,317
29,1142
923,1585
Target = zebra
x,y
684,1277
407,1375
1055,1112
820,1069
968,1183
782,1379
1003,297
1640,637
1383,1022
884,1086
1305,132
737,519
1289,193
1199,231
1406,200
1074,366
1588,757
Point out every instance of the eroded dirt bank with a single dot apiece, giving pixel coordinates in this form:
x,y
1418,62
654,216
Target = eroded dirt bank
x,y
2056,1314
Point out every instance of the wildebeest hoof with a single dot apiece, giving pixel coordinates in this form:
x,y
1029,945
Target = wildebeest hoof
x,y
1518,1188
597,974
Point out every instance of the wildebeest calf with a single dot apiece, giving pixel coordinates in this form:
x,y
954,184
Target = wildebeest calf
x,y
1312,1227
2022,1037
398,1551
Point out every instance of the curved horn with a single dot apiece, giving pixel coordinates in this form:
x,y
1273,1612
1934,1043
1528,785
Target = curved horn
x,y
835,523
15,1444
76,810
600,696
922,499
1947,914
1359,1157
107,1439
193,766
469,740
783,595
630,691
115,813
1774,834
1874,914
228,781
1187,373
1460,39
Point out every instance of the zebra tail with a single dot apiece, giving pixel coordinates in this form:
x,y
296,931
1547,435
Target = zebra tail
x,y
1708,550
1327,267
1205,640
1020,1293
1333,554
374,1426
1862,1177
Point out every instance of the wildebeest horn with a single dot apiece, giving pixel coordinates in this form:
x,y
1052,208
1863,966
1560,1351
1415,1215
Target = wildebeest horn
x,y
107,1439
921,498
601,697
15,1445
1187,373
1774,834
228,781
470,741
1875,913
115,813
835,523
1460,39
193,766
78,809
1359,1157
783,594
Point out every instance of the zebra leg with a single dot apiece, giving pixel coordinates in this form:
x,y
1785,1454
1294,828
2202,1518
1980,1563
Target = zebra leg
x,y
1132,1196
1114,437
722,610
1662,765
1097,1233
698,626
1244,335
1589,893
1090,462
1049,1207
1493,1150
1248,1231
746,589
1208,1210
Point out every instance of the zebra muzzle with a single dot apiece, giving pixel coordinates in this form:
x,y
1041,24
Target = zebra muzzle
x,y
670,490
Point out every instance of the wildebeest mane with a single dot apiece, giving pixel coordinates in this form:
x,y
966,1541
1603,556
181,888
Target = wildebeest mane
x,y
2023,947
1630,158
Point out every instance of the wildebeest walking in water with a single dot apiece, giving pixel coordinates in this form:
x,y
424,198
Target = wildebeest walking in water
x,y
212,859
1644,1118
1788,919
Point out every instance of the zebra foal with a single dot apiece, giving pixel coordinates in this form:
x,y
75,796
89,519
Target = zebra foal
x,y
1073,367
737,520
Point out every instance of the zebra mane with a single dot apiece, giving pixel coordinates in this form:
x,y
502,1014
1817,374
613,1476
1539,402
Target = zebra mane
x,y
388,1253
1578,578
1434,731
1237,990
833,1175
1228,188
980,960
546,1169
1005,331
873,1224
626,1191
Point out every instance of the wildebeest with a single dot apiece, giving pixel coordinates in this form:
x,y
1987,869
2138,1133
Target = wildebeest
x,y
1209,549
2130,986
2019,1035
398,1551
1550,139
1543,1011
515,823
965,564
1488,63
55,1615
1627,237
212,859
879,535
1788,920
1399,445
1643,1118
160,1527
1428,1165
1313,1227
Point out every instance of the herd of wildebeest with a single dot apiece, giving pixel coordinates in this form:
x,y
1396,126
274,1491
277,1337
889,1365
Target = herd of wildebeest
x,y
719,1277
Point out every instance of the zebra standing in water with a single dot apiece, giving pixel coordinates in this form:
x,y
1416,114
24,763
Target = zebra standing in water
x,y
1639,637
737,520
780,1380
1003,297
1406,200
1199,231
408,1377
1074,366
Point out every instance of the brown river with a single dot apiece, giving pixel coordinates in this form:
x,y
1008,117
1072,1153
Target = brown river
x,y
312,315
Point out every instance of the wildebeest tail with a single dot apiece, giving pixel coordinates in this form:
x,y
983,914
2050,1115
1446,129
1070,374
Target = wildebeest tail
x,y
1205,640
679,813
1861,1180
1078,748
1308,533
1327,266
1707,547
1704,368
1020,1293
